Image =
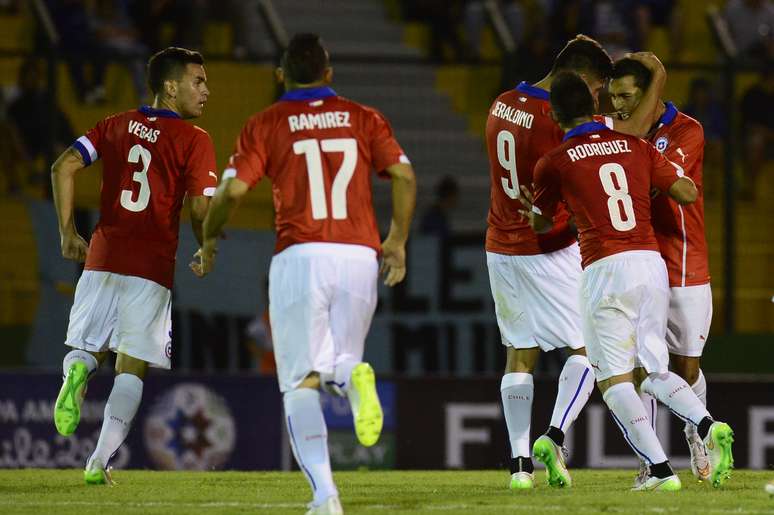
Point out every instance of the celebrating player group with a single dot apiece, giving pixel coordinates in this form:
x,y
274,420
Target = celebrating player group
x,y
595,243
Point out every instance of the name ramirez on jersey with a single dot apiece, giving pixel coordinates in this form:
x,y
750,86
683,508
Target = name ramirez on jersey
x,y
324,120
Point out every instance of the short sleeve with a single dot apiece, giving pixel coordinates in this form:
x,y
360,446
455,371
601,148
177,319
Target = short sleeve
x,y
385,150
200,172
548,191
248,162
90,144
664,172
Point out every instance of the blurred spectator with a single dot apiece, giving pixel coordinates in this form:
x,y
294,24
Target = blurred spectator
x,y
443,17
610,23
751,23
514,14
187,16
435,221
44,129
705,108
80,47
532,61
259,343
11,153
115,30
757,128
665,14
245,17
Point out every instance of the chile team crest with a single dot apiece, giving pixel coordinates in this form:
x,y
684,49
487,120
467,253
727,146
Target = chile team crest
x,y
189,428
662,143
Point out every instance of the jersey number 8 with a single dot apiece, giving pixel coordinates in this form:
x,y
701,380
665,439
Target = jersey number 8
x,y
310,148
616,195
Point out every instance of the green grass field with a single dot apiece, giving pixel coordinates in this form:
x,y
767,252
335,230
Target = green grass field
x,y
61,492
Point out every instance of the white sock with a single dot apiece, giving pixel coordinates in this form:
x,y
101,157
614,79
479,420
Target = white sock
x,y
672,390
119,411
576,382
338,382
309,440
651,407
76,355
700,389
630,415
517,390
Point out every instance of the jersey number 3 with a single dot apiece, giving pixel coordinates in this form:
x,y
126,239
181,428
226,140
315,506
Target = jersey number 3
x,y
310,148
137,154
616,195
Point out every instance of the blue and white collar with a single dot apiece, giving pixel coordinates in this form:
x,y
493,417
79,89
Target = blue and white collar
x,y
533,91
669,115
585,128
309,93
160,113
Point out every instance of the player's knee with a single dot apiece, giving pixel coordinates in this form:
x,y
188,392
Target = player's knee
x,y
521,360
129,365
686,367
311,381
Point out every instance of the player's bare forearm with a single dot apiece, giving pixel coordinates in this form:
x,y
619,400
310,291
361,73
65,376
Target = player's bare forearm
x,y
63,185
642,118
404,198
683,191
199,207
225,202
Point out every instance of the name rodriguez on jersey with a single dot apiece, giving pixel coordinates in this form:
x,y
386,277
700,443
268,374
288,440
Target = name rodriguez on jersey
x,y
324,120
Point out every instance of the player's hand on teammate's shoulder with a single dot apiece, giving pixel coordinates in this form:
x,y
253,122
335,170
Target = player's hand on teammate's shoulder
x,y
649,60
204,259
74,247
393,266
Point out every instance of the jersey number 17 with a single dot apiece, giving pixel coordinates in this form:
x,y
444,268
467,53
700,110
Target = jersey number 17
x,y
311,148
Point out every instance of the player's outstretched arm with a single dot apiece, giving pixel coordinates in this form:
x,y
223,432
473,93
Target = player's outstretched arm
x,y
227,198
683,191
642,118
404,198
63,184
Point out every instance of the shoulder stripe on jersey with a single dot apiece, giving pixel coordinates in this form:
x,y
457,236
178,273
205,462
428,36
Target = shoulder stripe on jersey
x,y
685,245
84,146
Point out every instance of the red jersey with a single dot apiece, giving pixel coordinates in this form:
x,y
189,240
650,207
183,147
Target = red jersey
x,y
519,131
680,229
151,159
605,178
318,150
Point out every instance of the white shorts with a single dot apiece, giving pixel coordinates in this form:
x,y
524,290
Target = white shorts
x,y
624,300
122,313
536,298
689,319
322,297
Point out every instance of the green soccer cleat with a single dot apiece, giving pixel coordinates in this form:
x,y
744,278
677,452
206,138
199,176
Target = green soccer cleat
x,y
67,410
660,484
718,445
522,481
364,401
97,474
552,456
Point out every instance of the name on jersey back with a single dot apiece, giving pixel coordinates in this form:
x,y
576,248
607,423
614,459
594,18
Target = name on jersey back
x,y
141,131
324,120
603,148
513,115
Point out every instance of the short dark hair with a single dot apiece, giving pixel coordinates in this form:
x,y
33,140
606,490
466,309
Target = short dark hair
x,y
305,59
626,66
168,63
570,97
583,55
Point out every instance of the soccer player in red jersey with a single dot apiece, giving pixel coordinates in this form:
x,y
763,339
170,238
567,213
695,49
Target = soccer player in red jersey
x,y
680,234
152,158
605,178
531,274
319,150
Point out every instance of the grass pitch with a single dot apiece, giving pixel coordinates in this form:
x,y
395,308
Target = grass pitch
x,y
62,492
